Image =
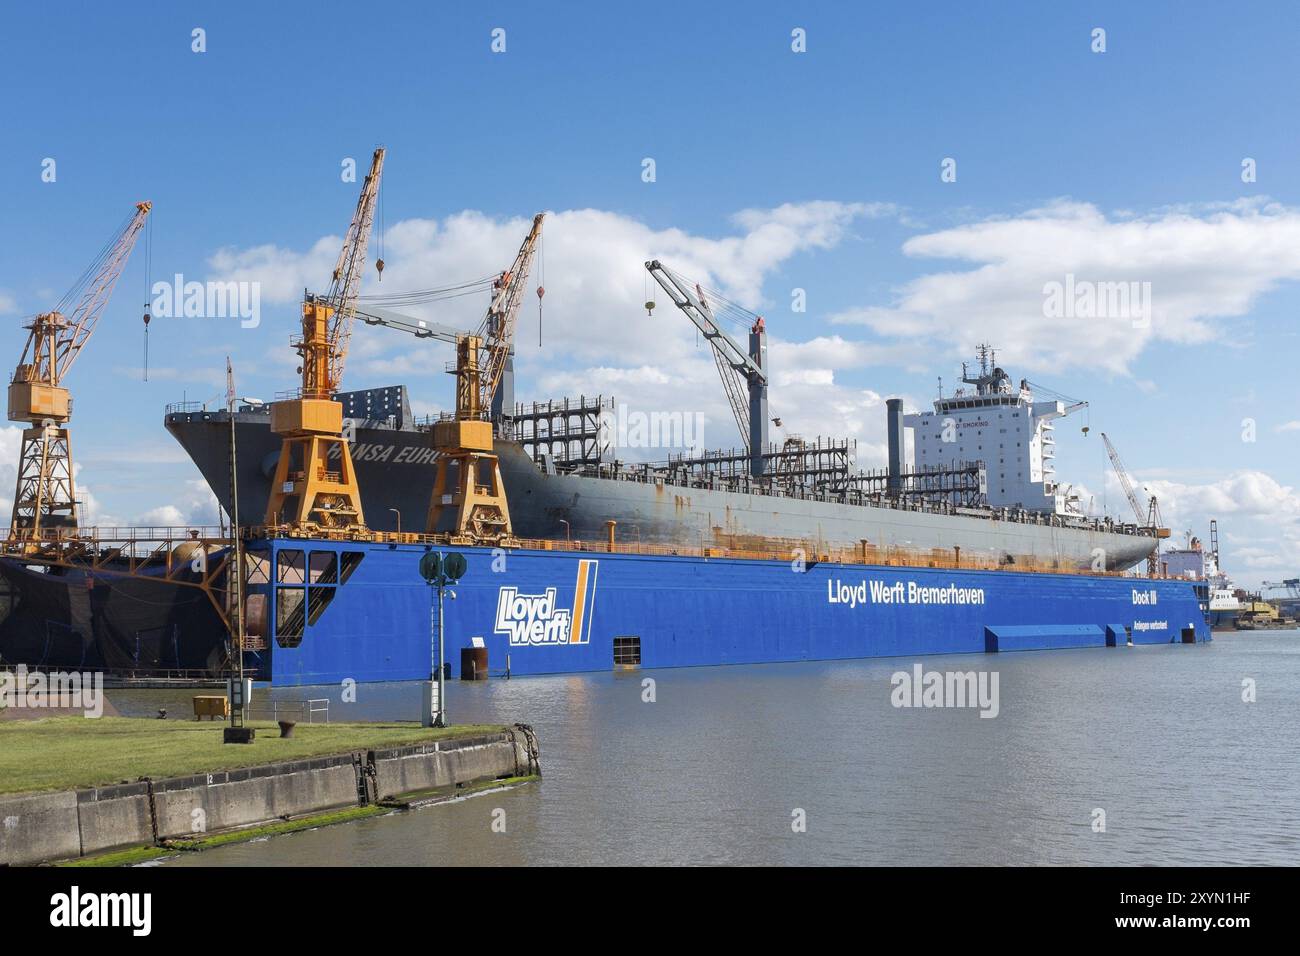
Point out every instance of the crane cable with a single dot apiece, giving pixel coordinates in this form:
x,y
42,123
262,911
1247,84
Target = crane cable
x,y
379,259
541,284
438,294
78,287
148,273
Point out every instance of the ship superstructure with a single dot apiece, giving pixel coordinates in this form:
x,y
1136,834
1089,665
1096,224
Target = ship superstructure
x,y
1003,427
1195,562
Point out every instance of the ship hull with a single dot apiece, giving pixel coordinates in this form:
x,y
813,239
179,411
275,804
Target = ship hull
x,y
395,471
1224,620
114,621
547,612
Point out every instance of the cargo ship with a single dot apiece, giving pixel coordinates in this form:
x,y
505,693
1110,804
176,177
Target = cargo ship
x,y
563,479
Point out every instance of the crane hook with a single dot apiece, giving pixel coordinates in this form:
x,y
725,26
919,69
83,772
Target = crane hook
x,y
541,291
379,267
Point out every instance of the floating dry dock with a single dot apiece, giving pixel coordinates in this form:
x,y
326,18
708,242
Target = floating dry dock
x,y
337,609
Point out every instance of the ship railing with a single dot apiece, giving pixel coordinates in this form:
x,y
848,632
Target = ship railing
x,y
112,541
303,710
647,474
739,549
182,408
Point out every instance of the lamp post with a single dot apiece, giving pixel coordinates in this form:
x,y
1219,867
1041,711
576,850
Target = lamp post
x,y
567,535
399,519
438,571
238,732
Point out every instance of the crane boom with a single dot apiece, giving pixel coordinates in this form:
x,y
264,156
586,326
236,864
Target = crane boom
x,y
45,496
1124,481
1149,519
740,371
345,285
54,339
497,332
420,328
468,499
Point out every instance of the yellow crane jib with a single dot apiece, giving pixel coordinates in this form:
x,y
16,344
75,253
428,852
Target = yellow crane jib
x,y
469,500
315,485
45,500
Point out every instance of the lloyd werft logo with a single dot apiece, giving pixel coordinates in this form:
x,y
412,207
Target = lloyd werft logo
x,y
531,619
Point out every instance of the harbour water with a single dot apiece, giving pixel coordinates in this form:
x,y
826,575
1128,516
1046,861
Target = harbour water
x,y
716,769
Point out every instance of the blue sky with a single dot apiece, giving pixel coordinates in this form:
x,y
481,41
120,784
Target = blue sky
x,y
1126,163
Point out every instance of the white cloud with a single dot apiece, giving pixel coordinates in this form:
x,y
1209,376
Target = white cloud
x,y
1204,265
8,304
283,273
596,338
1259,518
593,265
1246,493
163,516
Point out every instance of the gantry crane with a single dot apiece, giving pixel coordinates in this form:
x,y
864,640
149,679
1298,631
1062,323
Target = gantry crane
x,y
1151,519
45,498
469,499
740,372
315,485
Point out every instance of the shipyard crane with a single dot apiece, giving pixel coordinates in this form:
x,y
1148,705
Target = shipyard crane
x,y
468,499
1148,518
45,497
1290,585
315,486
744,374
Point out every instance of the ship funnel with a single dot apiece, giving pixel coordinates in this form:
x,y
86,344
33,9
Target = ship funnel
x,y
894,425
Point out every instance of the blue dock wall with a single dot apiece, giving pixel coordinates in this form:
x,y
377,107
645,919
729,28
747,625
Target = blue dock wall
x,y
556,612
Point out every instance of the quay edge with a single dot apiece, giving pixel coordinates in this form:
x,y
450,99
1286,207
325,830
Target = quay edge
x,y
81,824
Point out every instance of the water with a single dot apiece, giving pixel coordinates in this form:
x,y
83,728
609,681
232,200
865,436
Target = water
x,y
710,773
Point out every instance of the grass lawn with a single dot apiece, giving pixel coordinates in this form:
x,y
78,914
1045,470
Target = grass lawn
x,y
61,753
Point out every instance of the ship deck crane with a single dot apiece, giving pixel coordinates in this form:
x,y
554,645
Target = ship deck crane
x,y
468,499
45,497
1148,518
744,374
315,485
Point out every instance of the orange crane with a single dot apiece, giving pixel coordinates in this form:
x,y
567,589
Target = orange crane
x,y
315,484
1152,520
469,500
45,499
